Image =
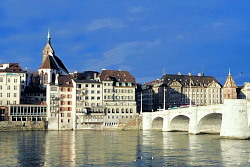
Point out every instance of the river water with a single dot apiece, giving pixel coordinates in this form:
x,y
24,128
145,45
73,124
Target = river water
x,y
120,148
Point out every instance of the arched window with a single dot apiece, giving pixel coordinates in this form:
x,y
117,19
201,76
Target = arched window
x,y
113,110
53,77
122,110
131,110
126,110
41,78
46,77
117,110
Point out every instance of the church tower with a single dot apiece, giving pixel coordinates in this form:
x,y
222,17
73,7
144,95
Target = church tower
x,y
52,67
229,88
48,48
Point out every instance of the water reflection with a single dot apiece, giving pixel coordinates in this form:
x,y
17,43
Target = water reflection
x,y
60,148
235,152
120,148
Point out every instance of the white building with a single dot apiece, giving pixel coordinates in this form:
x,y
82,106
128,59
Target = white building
x,y
118,97
12,82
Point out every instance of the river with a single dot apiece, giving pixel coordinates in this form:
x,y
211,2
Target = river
x,y
120,148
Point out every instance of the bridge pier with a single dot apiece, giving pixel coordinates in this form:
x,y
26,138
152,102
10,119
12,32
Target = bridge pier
x,y
166,121
193,123
235,119
147,121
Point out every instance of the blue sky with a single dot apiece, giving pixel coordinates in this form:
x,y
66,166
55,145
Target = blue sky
x,y
144,37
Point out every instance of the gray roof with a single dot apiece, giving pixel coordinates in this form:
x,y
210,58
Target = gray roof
x,y
184,80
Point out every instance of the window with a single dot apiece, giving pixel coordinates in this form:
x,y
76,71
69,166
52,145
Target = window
x,y
8,87
98,92
78,85
62,114
98,98
15,95
1,79
86,85
92,91
54,88
46,77
8,79
8,94
92,85
98,86
92,98
68,115
0,87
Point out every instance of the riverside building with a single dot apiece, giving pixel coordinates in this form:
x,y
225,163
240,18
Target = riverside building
x,y
118,97
179,90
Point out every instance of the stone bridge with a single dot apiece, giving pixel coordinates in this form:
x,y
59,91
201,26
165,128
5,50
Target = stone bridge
x,y
230,120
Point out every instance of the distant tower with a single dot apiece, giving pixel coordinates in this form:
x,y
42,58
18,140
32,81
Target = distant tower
x,y
51,66
202,73
229,88
48,48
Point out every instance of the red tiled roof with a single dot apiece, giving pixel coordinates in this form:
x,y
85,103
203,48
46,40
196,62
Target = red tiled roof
x,y
49,63
13,67
65,81
117,76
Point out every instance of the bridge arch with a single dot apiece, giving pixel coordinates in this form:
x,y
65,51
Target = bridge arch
x,y
157,123
180,123
210,123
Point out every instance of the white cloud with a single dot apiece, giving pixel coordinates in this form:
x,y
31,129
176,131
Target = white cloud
x,y
104,23
137,9
182,36
217,24
120,53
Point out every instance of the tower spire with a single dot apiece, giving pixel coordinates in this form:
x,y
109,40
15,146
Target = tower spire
x,y
48,37
229,73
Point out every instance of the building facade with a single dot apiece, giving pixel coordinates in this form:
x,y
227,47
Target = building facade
x,y
179,90
229,88
61,104
13,81
90,111
118,96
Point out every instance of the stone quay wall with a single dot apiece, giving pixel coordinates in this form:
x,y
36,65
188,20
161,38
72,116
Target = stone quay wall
x,y
22,125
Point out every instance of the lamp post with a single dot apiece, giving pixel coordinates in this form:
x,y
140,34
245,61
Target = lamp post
x,y
164,98
191,96
141,104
